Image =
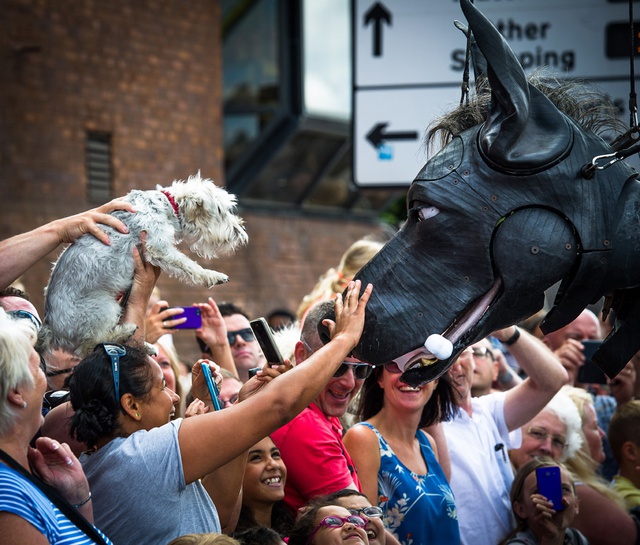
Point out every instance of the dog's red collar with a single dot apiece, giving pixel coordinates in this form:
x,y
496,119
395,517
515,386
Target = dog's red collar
x,y
173,202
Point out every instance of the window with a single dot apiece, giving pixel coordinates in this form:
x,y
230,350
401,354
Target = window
x,y
98,157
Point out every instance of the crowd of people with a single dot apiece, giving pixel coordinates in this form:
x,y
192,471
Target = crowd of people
x,y
126,445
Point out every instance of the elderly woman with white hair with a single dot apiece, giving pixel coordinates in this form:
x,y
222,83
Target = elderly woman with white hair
x,y
558,431
31,511
553,432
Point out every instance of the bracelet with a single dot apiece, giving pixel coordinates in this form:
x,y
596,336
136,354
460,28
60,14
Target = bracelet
x,y
513,339
86,500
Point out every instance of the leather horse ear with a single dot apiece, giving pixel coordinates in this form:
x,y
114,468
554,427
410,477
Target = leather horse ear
x,y
524,132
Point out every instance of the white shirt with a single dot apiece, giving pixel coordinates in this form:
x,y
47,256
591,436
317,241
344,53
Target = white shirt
x,y
481,473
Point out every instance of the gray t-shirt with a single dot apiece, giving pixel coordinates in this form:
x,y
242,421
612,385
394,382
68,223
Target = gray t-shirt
x,y
139,493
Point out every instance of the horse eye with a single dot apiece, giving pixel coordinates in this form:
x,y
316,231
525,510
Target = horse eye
x,y
426,212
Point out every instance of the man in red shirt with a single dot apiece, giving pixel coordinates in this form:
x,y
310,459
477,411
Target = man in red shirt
x,y
311,444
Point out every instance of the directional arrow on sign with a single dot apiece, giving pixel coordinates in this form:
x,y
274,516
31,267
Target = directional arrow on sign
x,y
377,135
378,14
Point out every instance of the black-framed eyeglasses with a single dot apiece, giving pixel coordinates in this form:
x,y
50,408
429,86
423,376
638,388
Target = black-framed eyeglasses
x,y
482,352
115,351
392,367
334,521
360,370
53,398
26,315
57,372
372,512
246,334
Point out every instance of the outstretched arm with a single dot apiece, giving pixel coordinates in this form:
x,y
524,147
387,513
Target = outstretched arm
x,y
144,280
19,253
545,376
213,439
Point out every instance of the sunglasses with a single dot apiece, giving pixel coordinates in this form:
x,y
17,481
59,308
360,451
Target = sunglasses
x,y
115,351
57,372
392,367
53,398
360,370
204,347
26,315
230,401
246,334
372,512
335,521
482,352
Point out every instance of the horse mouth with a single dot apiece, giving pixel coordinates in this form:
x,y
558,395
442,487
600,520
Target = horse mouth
x,y
439,346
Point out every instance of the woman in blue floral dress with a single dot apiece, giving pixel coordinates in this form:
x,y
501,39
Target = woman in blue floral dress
x,y
396,460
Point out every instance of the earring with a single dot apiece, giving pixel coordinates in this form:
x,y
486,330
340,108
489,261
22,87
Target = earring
x,y
24,404
137,415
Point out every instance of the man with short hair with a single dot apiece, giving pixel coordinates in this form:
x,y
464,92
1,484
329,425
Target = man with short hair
x,y
478,436
311,444
244,346
486,371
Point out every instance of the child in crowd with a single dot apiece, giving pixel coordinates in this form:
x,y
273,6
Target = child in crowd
x,y
537,522
624,438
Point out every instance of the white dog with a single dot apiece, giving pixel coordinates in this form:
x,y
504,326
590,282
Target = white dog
x,y
81,299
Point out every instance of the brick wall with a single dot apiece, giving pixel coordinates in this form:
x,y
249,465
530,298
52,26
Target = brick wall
x,y
148,72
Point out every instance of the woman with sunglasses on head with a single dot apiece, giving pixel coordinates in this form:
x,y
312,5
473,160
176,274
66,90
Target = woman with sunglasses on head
x,y
29,511
395,459
328,525
144,469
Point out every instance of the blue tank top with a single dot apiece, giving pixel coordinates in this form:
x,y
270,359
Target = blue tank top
x,y
418,509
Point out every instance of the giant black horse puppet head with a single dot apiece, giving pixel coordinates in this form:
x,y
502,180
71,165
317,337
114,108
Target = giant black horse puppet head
x,y
499,215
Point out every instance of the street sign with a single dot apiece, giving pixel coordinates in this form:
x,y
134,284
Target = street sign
x,y
408,60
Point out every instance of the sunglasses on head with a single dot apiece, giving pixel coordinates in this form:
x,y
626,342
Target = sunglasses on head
x,y
335,521
115,351
26,315
360,370
246,335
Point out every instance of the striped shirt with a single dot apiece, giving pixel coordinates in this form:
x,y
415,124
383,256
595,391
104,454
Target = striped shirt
x,y
20,497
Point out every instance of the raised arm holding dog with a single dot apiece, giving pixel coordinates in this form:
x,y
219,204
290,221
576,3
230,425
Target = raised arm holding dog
x,y
19,253
135,447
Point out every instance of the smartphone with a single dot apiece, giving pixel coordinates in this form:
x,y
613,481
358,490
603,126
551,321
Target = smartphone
x,y
590,373
267,343
550,485
211,386
193,316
